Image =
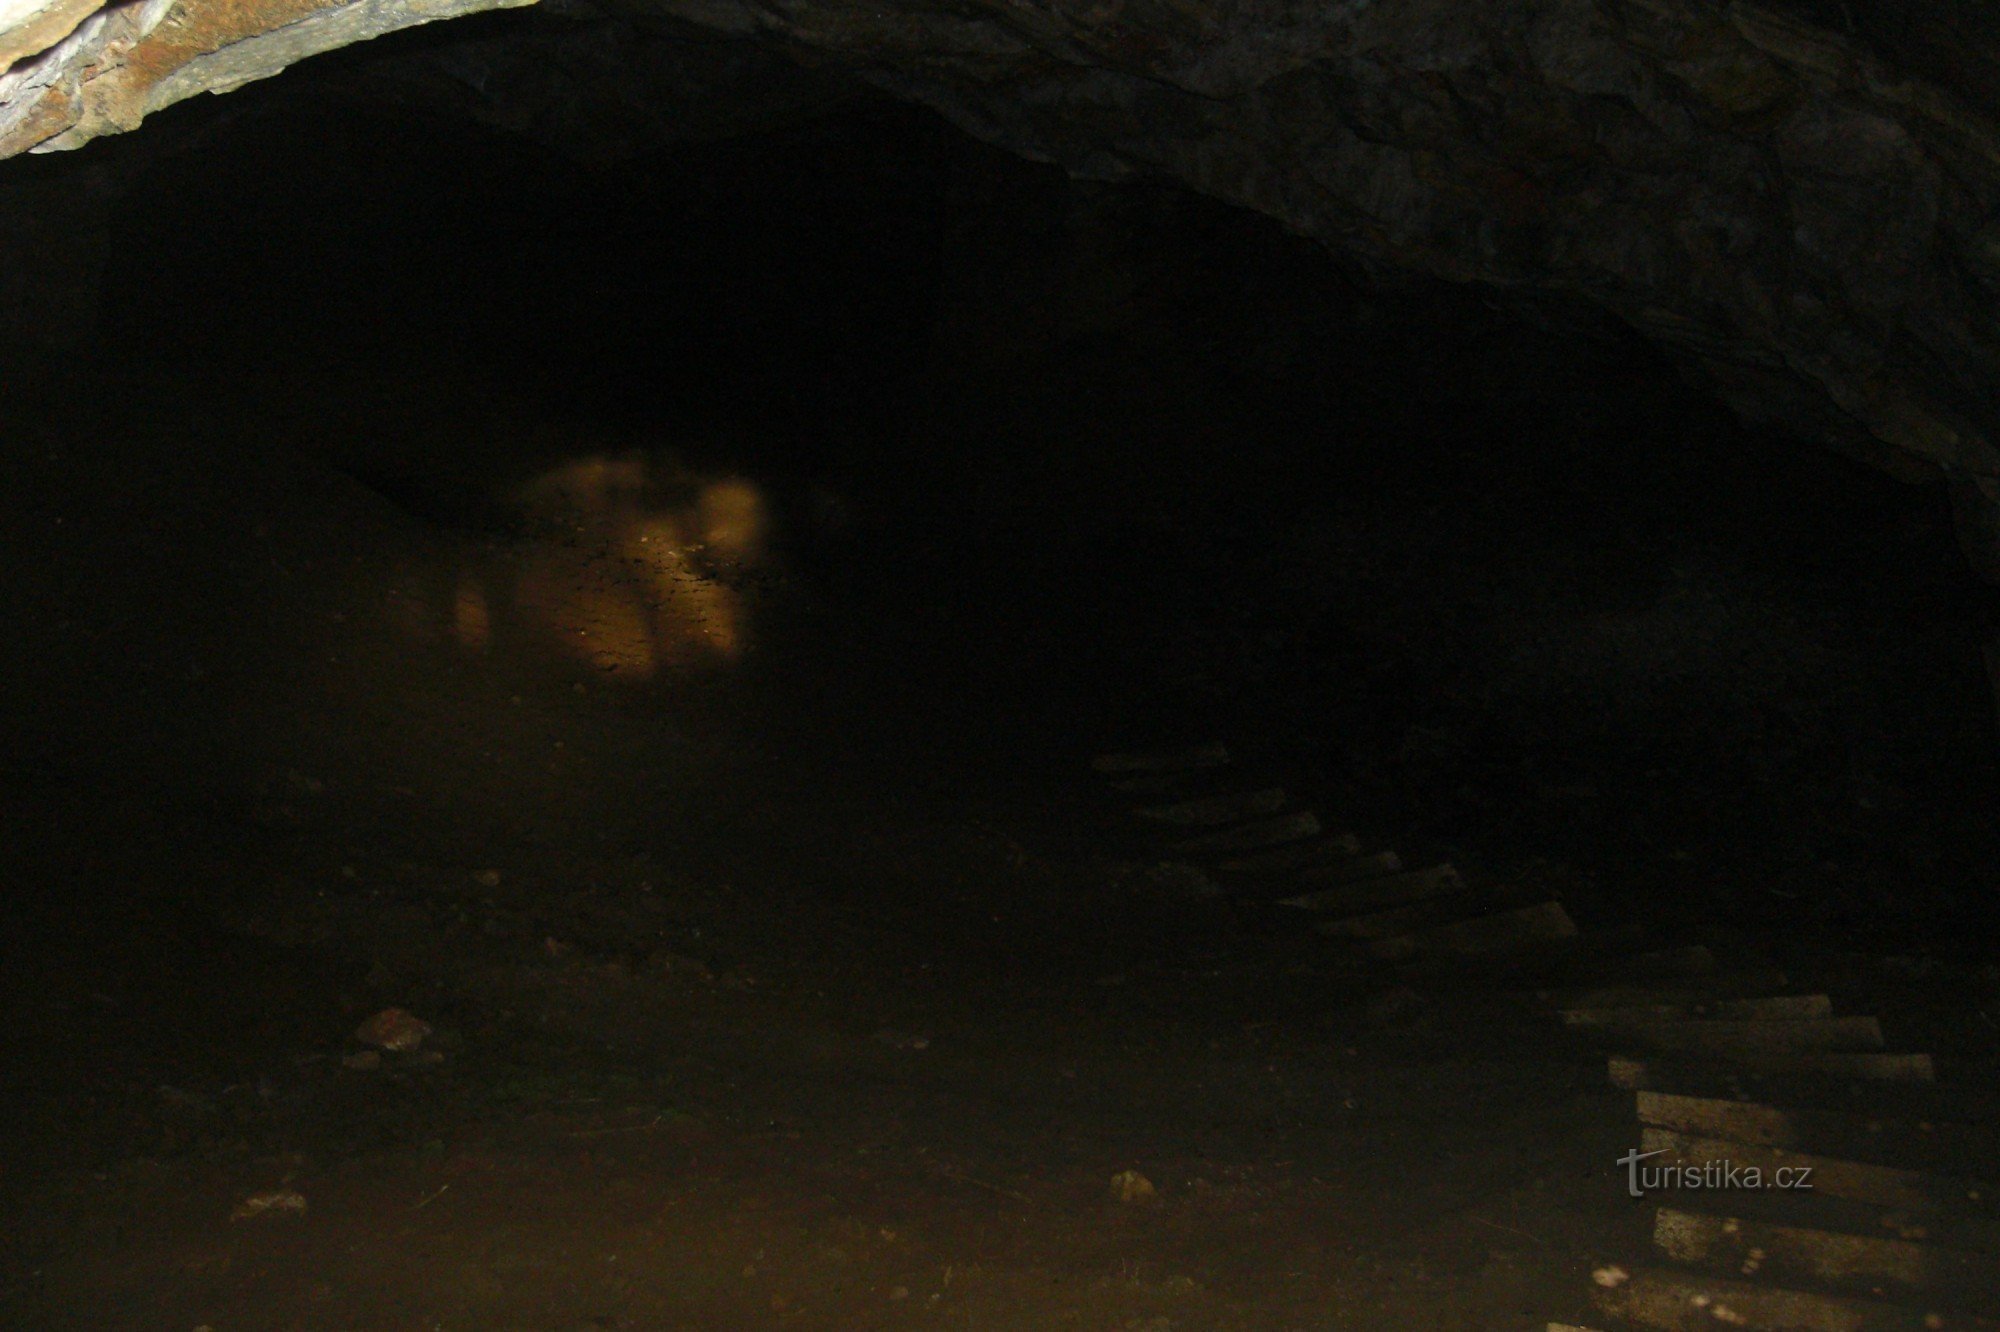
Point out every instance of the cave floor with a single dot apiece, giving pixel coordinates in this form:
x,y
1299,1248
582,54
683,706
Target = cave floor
x,y
802,984
750,1149
854,1083
766,1160
776,994
867,1051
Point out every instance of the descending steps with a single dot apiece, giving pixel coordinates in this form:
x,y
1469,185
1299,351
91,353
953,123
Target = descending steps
x,y
1250,844
1896,1225
1732,1069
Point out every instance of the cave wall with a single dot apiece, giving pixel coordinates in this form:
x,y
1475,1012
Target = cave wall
x,y
1795,199
54,232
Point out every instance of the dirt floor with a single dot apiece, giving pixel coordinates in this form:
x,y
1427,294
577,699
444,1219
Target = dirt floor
x,y
771,985
666,1146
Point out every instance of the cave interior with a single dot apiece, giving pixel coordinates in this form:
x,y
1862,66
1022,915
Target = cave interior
x,y
642,590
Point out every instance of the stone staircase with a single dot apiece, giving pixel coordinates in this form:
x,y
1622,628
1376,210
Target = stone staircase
x,y
1733,1069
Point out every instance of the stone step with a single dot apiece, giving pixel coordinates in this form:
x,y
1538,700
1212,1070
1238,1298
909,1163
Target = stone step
x,y
1400,920
1630,966
1692,1302
1183,758
1294,827
1842,1216
1495,933
1154,788
1865,1265
1183,882
1216,810
1151,784
1331,851
1787,1071
1538,962
1860,1181
1774,1008
1918,1143
1749,984
1883,1084
1726,1038
1328,874
1356,895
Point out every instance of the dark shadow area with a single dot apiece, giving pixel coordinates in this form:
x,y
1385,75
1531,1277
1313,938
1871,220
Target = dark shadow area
x,y
652,619
1112,457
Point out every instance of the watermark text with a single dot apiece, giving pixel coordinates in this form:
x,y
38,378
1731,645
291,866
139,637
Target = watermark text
x,y
1641,1179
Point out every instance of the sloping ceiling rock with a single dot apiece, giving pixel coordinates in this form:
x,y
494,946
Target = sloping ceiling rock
x,y
1795,199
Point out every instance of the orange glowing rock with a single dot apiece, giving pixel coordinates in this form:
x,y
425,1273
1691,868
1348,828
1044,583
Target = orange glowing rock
x,y
1129,1186
393,1029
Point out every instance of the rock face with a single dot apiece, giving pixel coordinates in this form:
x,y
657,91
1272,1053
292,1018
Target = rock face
x,y
1795,199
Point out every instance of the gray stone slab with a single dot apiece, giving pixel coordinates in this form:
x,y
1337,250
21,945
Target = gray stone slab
x,y
1631,966
1790,1007
1916,1142
1498,932
1845,1216
1860,1181
1332,851
1152,784
1727,1038
1183,758
1544,962
1216,810
1251,836
1867,1265
1758,983
1380,891
1329,873
1825,1077
1403,920
1692,1302
1894,1085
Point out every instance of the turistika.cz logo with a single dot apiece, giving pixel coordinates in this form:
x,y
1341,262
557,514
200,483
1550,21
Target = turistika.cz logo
x,y
1641,1179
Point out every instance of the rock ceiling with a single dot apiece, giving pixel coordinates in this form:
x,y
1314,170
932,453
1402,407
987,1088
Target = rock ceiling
x,y
1796,200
